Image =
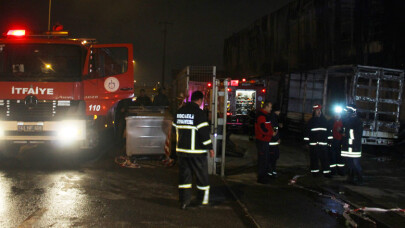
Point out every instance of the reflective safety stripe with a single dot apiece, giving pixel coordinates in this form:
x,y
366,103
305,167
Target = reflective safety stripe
x,y
204,124
330,137
173,124
351,134
306,138
193,139
185,127
185,185
350,141
333,165
273,143
203,187
207,142
318,143
267,122
206,190
350,154
341,165
319,129
326,171
315,171
191,151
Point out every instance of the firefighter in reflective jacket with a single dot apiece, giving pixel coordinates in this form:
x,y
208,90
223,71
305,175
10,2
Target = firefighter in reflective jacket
x,y
316,135
193,143
263,132
351,144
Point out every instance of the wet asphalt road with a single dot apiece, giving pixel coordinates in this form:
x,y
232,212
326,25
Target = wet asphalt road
x,y
43,188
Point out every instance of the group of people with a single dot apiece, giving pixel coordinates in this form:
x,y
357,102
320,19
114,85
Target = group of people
x,y
336,144
328,143
159,100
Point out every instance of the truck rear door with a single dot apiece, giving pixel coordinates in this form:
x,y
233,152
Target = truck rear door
x,y
378,92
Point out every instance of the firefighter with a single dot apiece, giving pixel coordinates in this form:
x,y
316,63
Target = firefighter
x,y
263,133
143,99
275,140
336,162
193,143
316,135
351,145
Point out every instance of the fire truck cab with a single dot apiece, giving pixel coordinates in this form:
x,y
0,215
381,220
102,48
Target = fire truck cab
x,y
55,89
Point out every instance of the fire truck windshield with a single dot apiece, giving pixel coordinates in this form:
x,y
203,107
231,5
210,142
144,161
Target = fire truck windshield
x,y
41,62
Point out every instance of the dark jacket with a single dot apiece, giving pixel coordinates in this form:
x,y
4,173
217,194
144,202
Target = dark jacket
x,y
192,131
143,101
274,124
317,131
263,129
351,142
161,100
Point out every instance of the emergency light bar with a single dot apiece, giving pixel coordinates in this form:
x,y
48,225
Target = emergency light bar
x,y
16,32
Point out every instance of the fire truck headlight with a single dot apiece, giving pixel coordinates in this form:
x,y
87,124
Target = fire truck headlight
x,y
338,109
71,130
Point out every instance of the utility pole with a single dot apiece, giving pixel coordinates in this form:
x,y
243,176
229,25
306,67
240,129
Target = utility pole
x,y
164,23
49,16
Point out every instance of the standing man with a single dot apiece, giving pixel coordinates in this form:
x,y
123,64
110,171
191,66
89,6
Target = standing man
x,y
193,143
351,145
274,152
143,99
161,98
336,162
316,135
263,132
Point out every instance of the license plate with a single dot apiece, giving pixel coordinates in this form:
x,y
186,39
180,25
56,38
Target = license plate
x,y
30,128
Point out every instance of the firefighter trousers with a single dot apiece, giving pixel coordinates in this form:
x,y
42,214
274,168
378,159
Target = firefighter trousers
x,y
319,153
273,157
262,159
354,169
336,162
189,167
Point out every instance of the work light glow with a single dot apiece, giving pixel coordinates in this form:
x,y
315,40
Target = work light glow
x,y
338,109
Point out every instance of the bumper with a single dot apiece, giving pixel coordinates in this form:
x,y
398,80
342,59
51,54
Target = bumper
x,y
39,132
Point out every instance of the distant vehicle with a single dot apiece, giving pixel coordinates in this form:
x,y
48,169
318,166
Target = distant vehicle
x,y
60,90
376,91
244,97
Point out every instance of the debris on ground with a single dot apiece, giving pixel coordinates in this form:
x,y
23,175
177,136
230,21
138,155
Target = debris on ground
x,y
125,161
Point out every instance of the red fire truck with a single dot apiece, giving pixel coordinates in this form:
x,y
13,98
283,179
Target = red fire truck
x,y
55,89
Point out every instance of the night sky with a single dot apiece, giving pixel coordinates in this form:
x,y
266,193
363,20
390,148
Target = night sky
x,y
195,37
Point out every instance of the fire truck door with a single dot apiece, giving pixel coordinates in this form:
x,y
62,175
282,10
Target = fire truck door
x,y
110,76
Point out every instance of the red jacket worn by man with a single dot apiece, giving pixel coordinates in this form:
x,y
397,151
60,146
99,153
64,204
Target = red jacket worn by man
x,y
263,132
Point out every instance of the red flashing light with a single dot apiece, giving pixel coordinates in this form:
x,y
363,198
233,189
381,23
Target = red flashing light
x,y
263,90
234,82
243,79
209,84
228,113
16,32
229,89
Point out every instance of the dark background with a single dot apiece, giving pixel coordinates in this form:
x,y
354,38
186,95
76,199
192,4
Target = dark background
x,y
195,37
